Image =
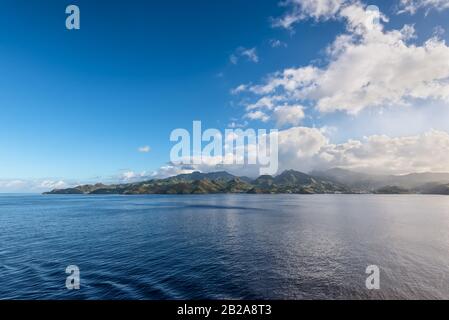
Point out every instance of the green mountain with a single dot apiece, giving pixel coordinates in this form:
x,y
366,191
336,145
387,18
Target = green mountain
x,y
288,182
217,182
293,178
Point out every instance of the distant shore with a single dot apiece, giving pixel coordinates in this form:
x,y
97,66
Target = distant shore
x,y
334,181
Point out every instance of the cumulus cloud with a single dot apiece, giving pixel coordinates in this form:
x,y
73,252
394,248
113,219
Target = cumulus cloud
x,y
319,10
306,149
427,152
170,170
50,184
368,67
412,6
288,115
132,176
257,115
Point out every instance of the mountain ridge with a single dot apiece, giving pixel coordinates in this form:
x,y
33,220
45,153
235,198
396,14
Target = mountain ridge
x,y
332,181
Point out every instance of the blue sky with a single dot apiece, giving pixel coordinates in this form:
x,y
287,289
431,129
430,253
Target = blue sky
x,y
76,105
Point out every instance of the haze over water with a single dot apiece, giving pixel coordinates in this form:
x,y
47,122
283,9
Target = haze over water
x,y
224,246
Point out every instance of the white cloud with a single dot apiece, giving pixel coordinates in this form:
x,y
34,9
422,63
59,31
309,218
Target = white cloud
x,y
306,149
290,79
144,149
171,170
309,9
420,153
128,175
438,31
267,102
50,184
239,89
291,115
300,143
412,6
251,54
361,19
368,67
241,52
132,176
257,115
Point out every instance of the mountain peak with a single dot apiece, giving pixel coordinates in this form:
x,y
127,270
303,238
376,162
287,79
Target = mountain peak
x,y
293,177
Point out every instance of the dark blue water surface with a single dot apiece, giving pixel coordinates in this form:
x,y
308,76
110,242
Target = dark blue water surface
x,y
224,246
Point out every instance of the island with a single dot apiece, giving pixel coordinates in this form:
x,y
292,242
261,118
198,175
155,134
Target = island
x,y
333,181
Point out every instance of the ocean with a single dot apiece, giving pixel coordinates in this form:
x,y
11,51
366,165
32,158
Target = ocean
x,y
224,246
